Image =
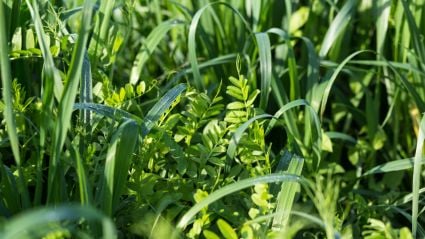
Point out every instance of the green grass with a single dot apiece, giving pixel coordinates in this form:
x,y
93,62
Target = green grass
x,y
204,119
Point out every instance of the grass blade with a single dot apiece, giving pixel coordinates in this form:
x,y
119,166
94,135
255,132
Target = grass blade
x,y
52,80
85,195
263,43
149,46
118,159
9,115
160,107
66,103
327,90
234,187
107,111
192,42
396,165
337,26
286,196
416,181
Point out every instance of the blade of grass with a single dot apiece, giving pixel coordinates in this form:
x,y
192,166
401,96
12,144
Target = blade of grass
x,y
229,189
118,159
192,42
294,92
396,165
337,26
55,186
416,180
286,196
152,41
107,111
327,90
9,115
52,80
263,43
83,184
160,107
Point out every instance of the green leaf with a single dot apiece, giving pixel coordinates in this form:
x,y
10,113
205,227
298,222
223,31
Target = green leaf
x,y
210,235
226,230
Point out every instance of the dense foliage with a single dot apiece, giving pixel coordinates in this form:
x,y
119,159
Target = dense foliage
x,y
202,119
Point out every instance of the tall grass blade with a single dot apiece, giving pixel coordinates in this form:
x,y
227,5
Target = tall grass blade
x,y
118,159
286,196
263,43
52,80
148,47
337,26
327,90
9,115
101,29
294,91
417,40
192,40
416,181
160,107
83,184
55,186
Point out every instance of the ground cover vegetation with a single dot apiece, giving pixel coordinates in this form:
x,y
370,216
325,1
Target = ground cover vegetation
x,y
203,119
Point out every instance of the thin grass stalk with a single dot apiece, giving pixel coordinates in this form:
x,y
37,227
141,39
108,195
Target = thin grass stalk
x,y
286,196
55,191
416,182
9,115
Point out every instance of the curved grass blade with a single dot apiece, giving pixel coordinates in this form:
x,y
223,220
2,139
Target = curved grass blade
x,y
118,159
192,42
52,80
417,40
229,58
33,220
234,187
383,8
149,46
327,90
286,195
160,107
85,195
337,26
6,79
9,115
263,43
107,111
282,111
294,92
416,180
342,136
291,105
55,186
396,165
